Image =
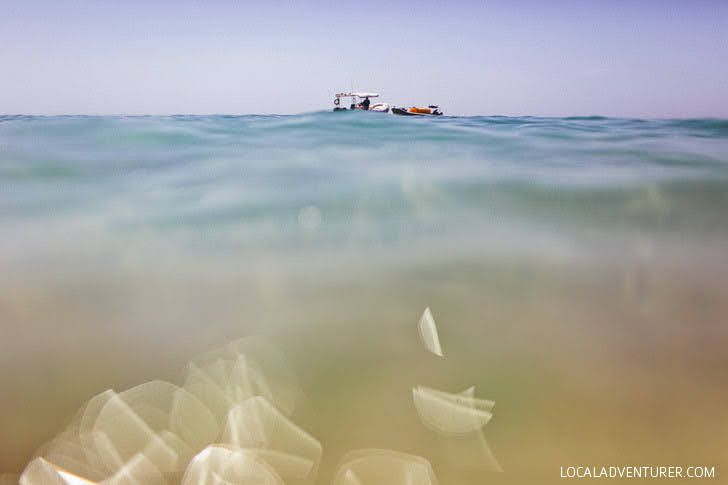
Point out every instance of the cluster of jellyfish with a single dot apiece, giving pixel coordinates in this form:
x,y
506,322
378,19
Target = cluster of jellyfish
x,y
228,422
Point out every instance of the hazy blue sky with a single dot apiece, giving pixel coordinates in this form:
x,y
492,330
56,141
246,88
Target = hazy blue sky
x,y
617,58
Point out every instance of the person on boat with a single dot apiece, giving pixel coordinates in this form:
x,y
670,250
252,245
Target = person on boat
x,y
365,104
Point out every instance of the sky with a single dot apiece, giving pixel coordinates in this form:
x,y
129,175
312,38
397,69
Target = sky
x,y
646,59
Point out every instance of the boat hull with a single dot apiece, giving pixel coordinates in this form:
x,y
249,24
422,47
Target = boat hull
x,y
404,112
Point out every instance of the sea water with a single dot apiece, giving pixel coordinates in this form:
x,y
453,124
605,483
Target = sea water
x,y
577,269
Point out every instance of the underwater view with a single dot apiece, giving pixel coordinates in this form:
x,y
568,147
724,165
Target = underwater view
x,y
354,298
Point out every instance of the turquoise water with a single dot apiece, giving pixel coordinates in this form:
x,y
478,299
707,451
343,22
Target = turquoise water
x,y
576,262
225,181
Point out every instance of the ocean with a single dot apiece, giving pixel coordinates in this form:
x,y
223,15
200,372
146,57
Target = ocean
x,y
577,269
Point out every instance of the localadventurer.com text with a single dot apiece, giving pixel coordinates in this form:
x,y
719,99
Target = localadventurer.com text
x,y
635,471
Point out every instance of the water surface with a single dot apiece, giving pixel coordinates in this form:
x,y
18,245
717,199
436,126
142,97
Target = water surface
x,y
577,268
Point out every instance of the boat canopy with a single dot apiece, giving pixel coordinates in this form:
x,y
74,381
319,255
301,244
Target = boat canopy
x,y
357,95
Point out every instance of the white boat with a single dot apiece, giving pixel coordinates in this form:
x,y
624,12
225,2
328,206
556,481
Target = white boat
x,y
360,101
362,104
380,107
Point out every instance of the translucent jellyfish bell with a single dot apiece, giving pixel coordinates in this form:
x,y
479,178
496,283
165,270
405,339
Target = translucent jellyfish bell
x,y
384,467
247,380
459,419
279,383
159,420
242,369
81,454
428,333
72,450
170,407
221,465
257,425
66,452
450,414
199,382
